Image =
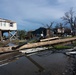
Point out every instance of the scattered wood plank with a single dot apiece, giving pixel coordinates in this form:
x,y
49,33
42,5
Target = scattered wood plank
x,y
48,39
32,50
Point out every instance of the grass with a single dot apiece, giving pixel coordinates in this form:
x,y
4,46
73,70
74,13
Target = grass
x,y
74,43
2,44
59,47
16,42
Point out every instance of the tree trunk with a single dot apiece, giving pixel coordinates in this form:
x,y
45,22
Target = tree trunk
x,y
48,34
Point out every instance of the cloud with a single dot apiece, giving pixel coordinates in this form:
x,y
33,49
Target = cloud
x,y
31,13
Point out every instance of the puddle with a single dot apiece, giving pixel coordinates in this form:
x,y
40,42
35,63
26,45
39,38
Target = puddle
x,y
42,63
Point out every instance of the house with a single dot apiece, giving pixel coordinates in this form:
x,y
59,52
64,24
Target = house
x,y
40,32
60,30
36,33
64,31
7,26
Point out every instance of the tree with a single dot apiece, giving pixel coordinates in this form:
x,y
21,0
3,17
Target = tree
x,y
21,34
70,18
49,29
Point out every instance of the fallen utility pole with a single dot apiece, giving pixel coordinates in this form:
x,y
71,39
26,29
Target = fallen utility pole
x,y
45,43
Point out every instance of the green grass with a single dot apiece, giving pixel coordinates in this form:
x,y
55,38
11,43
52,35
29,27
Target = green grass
x,y
59,47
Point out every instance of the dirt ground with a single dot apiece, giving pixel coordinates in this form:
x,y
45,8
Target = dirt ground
x,y
5,49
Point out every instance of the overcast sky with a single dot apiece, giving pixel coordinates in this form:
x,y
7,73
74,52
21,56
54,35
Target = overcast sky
x,y
30,14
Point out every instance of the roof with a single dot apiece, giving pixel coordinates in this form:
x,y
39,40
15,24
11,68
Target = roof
x,y
6,20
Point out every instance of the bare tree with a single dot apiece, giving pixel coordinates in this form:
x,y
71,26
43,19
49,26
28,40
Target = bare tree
x,y
69,18
49,29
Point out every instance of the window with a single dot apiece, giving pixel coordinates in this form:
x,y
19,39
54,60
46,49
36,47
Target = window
x,y
11,24
0,23
3,24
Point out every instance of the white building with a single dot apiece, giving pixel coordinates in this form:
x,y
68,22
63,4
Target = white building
x,y
60,30
7,26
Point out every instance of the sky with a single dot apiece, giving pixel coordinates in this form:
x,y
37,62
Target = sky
x,y
32,14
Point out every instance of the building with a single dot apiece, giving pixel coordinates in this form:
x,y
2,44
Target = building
x,y
36,33
40,32
9,27
60,30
